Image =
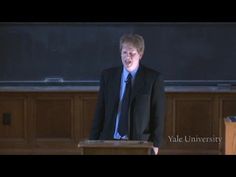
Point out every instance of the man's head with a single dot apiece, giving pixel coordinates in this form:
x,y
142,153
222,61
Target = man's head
x,y
132,49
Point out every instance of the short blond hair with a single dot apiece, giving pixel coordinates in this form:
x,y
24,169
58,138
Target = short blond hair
x,y
134,39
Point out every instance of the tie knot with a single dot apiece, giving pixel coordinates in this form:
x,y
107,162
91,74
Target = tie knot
x,y
129,77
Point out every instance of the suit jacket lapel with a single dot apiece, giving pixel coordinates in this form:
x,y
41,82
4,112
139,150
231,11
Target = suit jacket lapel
x,y
138,83
116,88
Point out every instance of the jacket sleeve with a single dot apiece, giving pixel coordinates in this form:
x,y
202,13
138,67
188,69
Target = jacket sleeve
x,y
99,115
158,111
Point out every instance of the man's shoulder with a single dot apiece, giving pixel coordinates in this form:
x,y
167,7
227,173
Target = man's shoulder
x,y
151,71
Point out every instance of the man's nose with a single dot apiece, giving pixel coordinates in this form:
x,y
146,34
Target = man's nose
x,y
129,55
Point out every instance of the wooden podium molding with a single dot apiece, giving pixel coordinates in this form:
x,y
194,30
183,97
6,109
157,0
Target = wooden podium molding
x,y
113,147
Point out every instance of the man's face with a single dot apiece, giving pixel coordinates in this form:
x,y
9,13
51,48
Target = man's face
x,y
130,57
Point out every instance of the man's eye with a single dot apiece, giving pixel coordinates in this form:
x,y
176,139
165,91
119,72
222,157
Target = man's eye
x,y
133,54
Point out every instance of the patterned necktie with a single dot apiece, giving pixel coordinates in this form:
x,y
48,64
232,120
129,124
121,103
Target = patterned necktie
x,y
124,114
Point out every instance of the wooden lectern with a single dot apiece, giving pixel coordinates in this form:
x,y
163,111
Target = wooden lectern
x,y
113,147
230,137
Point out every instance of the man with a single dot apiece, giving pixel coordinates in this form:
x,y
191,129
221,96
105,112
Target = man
x,y
131,98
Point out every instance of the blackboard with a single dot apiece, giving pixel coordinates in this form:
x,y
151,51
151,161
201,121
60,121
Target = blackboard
x,y
80,51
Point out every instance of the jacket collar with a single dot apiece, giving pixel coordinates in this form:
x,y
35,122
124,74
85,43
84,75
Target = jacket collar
x,y
138,82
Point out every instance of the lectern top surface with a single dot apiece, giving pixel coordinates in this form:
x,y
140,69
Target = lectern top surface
x,y
114,143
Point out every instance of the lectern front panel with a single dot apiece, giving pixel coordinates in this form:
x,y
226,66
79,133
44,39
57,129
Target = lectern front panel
x,y
91,147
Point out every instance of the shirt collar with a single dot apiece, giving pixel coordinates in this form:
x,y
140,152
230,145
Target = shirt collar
x,y
133,73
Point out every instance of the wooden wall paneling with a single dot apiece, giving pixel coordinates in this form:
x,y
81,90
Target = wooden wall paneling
x,y
78,117
14,134
89,101
195,118
53,118
55,122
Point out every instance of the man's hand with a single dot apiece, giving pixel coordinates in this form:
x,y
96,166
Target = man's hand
x,y
155,149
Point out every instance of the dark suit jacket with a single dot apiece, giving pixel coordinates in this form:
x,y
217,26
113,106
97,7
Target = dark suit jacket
x,y
146,110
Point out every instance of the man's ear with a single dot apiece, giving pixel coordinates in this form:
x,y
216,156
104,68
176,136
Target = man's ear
x,y
141,56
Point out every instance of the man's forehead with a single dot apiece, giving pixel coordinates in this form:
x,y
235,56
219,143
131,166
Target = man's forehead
x,y
128,47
